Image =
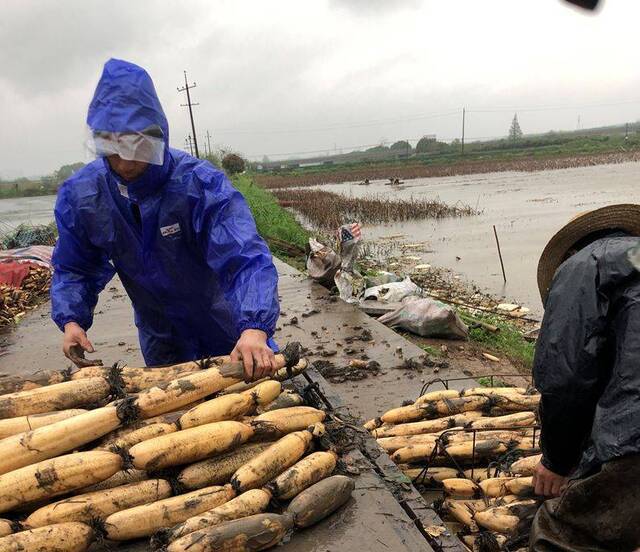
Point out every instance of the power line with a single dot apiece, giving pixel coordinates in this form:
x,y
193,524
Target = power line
x,y
422,116
361,146
186,88
339,126
463,116
209,141
188,144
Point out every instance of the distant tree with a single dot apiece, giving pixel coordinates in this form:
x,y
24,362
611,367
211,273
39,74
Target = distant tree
x,y
378,149
401,146
213,158
265,159
66,171
425,144
515,132
233,163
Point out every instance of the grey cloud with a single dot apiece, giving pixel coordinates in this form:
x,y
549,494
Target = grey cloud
x,y
368,7
296,76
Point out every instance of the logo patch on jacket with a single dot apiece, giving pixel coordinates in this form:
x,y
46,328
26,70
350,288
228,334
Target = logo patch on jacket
x,y
170,230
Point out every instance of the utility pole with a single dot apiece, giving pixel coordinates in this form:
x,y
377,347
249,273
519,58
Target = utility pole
x,y
463,114
186,88
190,144
209,141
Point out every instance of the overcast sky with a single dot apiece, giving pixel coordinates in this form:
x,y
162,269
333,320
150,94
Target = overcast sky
x,y
284,76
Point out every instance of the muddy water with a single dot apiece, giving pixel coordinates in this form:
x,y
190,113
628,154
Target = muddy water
x,y
35,210
527,208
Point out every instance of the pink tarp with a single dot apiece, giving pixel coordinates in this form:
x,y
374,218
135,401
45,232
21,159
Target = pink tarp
x,y
16,263
13,273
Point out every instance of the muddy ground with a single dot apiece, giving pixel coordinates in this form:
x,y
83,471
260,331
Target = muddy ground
x,y
366,361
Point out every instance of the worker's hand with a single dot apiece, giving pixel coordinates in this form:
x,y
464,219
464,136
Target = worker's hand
x,y
74,345
258,358
548,483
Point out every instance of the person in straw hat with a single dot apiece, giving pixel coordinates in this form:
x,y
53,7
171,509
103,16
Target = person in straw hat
x,y
587,369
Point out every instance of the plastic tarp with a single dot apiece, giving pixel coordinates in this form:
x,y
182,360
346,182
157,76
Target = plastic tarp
x,y
36,254
13,273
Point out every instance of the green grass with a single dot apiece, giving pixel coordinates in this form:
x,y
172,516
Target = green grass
x,y
272,220
431,351
8,193
487,382
509,341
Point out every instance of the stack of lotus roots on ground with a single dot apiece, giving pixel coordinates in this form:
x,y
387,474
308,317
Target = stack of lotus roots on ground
x,y
188,457
14,302
476,450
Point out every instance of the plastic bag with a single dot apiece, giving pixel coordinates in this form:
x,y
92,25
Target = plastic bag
x,y
348,281
322,263
349,235
428,318
393,292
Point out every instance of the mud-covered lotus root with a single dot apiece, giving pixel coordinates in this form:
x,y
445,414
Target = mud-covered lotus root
x,y
320,500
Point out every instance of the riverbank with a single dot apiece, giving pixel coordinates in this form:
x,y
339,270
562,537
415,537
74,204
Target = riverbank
x,y
506,343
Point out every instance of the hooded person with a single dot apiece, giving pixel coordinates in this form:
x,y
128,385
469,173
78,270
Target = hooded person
x,y
182,240
586,368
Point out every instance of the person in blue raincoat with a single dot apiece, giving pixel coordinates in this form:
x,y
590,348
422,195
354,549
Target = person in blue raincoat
x,y
179,236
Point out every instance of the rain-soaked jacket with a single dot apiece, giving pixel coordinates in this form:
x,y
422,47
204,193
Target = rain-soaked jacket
x,y
587,361
193,264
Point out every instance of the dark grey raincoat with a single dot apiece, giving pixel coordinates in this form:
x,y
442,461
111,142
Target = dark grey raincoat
x,y
587,361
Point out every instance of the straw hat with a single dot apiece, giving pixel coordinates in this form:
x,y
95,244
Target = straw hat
x,y
624,217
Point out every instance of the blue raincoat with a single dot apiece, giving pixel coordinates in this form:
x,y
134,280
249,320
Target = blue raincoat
x,y
193,264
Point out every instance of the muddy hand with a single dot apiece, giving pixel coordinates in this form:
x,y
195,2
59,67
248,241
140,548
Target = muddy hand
x,y
76,355
258,358
74,345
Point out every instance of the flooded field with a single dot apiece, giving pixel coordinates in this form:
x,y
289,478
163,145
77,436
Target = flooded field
x,y
35,210
527,208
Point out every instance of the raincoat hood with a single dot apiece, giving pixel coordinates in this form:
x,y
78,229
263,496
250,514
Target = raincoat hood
x,y
125,100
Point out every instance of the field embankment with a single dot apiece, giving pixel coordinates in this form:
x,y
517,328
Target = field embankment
x,y
477,164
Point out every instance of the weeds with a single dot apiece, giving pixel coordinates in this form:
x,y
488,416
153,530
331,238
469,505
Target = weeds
x,y
328,210
431,351
488,381
272,220
508,340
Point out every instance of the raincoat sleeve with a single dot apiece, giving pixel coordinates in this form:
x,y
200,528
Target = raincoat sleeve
x,y
81,271
239,257
566,369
